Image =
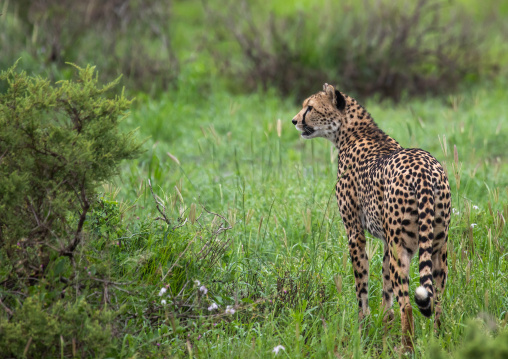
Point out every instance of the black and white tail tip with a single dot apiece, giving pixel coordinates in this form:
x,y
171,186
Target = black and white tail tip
x,y
423,301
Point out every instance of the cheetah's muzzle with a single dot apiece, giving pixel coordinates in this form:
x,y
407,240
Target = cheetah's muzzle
x,y
307,130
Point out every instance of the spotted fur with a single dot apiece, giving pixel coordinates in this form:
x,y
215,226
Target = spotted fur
x,y
399,195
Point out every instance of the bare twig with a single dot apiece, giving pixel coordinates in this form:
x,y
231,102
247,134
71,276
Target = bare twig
x,y
122,290
214,245
106,294
97,293
6,308
180,225
216,214
218,252
159,204
15,292
30,205
27,346
134,234
3,154
179,294
110,282
180,256
69,250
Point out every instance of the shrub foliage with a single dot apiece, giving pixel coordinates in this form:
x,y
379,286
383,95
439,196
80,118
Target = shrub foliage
x,y
389,50
64,330
121,37
57,143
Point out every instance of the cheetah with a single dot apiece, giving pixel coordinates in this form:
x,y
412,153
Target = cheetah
x,y
400,195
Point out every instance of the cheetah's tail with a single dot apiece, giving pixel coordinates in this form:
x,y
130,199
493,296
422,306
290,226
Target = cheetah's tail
x,y
423,300
425,292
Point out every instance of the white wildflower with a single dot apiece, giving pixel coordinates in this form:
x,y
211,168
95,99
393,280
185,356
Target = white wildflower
x,y
455,211
476,207
230,310
162,291
203,289
473,225
277,349
213,307
198,283
163,302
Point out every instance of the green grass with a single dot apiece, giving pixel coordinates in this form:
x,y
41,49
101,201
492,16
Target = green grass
x,y
284,263
277,193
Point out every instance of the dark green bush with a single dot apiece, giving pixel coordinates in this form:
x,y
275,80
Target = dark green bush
x,y
385,48
480,342
373,47
57,144
121,37
63,330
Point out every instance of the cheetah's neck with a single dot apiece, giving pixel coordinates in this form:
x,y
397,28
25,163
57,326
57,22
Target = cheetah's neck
x,y
361,133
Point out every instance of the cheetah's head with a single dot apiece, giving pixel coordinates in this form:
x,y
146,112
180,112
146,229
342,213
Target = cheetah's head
x,y
321,114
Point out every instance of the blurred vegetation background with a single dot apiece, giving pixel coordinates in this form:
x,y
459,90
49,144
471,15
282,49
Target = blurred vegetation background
x,y
384,48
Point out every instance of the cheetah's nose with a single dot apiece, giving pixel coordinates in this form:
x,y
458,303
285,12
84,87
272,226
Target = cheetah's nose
x,y
294,121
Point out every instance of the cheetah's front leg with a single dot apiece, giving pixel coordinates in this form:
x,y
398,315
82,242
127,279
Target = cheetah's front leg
x,y
360,262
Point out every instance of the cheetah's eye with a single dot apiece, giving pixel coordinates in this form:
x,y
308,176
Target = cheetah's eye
x,y
309,108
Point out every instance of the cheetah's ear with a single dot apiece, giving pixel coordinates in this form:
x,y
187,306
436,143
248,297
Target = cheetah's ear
x,y
335,96
330,92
